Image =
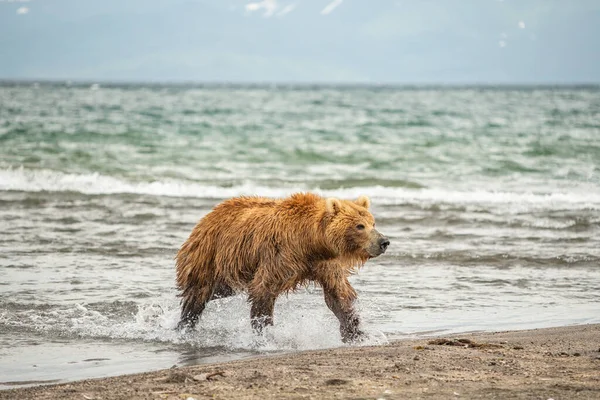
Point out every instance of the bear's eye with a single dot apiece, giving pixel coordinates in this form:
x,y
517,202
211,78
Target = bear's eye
x,y
360,227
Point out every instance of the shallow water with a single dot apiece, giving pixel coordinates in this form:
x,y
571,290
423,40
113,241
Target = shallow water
x,y
491,199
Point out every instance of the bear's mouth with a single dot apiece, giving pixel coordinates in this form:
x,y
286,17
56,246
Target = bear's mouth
x,y
372,253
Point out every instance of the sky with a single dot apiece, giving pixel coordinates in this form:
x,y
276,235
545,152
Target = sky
x,y
303,41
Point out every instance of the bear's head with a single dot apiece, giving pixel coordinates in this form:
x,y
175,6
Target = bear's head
x,y
350,228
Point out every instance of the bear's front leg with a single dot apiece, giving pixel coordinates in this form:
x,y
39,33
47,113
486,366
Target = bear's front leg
x,y
340,299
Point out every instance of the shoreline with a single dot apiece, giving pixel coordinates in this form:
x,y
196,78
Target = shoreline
x,y
561,362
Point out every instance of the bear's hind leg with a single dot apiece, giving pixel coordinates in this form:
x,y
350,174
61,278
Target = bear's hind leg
x,y
192,306
261,312
223,290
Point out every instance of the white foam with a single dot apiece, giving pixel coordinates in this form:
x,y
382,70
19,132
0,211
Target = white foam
x,y
44,180
51,181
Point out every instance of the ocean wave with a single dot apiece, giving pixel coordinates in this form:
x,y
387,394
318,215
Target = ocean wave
x,y
21,179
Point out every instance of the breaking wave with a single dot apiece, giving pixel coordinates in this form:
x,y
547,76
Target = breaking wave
x,y
20,179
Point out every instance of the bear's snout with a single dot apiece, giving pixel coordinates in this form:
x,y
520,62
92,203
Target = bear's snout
x,y
378,244
384,242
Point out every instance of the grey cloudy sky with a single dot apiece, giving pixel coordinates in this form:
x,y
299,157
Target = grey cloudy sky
x,y
374,41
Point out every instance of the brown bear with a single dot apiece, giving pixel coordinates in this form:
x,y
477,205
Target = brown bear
x,y
272,246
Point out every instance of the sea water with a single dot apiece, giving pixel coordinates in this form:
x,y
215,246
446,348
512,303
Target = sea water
x,y
490,197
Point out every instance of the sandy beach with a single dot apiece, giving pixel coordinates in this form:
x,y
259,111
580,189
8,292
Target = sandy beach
x,y
557,363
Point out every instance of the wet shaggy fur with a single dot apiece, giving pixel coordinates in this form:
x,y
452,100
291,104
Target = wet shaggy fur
x,y
267,247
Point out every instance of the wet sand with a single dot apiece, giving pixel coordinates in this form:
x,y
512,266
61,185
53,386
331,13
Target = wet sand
x,y
557,363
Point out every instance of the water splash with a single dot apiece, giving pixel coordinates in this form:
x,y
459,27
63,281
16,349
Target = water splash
x,y
300,324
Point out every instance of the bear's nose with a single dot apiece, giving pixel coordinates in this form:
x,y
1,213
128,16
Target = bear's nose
x,y
384,243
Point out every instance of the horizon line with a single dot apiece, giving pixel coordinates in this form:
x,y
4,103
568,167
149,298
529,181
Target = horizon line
x,y
284,84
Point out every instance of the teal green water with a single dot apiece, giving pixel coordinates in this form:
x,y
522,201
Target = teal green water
x,y
307,138
491,198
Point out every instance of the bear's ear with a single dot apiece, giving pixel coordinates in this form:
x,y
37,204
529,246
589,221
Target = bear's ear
x,y
332,205
363,201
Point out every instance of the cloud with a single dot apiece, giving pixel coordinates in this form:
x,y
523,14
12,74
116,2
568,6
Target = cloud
x,y
22,10
269,6
286,10
522,24
331,6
